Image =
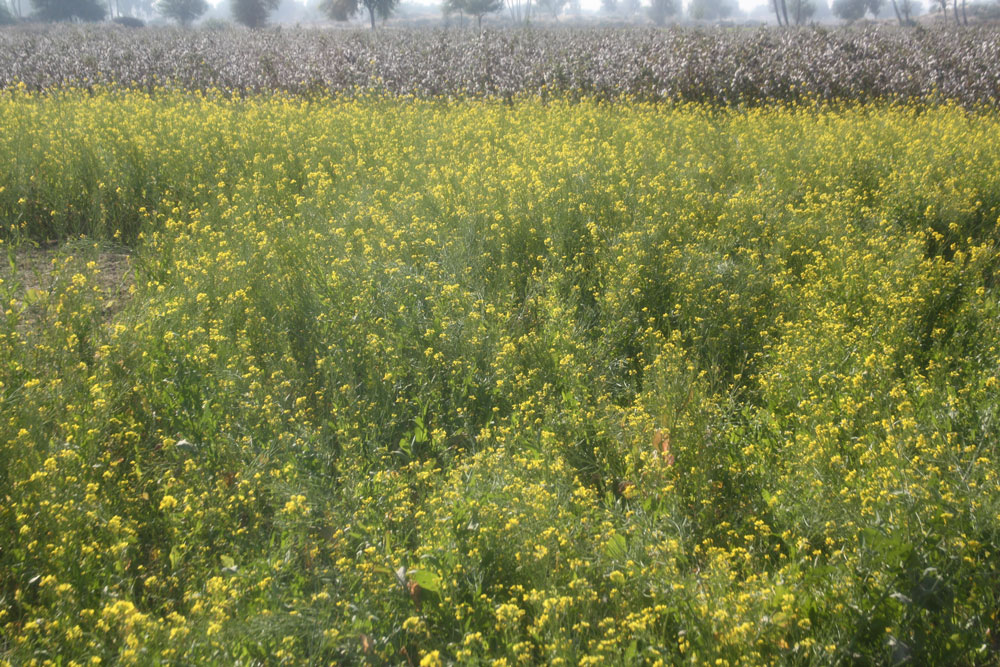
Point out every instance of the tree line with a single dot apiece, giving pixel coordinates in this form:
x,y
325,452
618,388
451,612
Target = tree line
x,y
255,13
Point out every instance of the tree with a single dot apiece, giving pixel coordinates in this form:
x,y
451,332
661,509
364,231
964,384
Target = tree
x,y
778,6
477,8
711,10
67,10
183,11
981,11
520,10
553,7
341,10
252,13
895,9
139,8
338,10
661,10
908,9
850,10
802,10
6,18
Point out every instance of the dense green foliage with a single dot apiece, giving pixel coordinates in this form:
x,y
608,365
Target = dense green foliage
x,y
420,382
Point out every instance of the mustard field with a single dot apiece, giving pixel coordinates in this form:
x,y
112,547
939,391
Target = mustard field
x,y
383,380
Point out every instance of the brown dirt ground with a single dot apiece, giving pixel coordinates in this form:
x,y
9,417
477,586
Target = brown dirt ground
x,y
115,275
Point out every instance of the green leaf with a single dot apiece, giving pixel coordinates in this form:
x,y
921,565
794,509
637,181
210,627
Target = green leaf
x,y
419,431
615,547
631,652
175,557
33,296
427,580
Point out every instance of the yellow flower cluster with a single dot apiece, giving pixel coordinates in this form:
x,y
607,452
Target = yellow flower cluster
x,y
432,382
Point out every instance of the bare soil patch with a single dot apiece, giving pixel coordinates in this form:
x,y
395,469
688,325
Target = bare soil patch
x,y
33,273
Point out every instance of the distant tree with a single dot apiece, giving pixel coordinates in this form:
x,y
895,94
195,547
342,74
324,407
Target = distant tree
x,y
874,7
480,8
609,6
341,10
290,12
660,10
905,10
338,10
139,8
822,12
184,12
6,17
553,7
982,11
67,10
450,7
801,10
895,9
381,8
711,10
520,10
252,13
780,9
850,10
477,8
630,7
909,9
